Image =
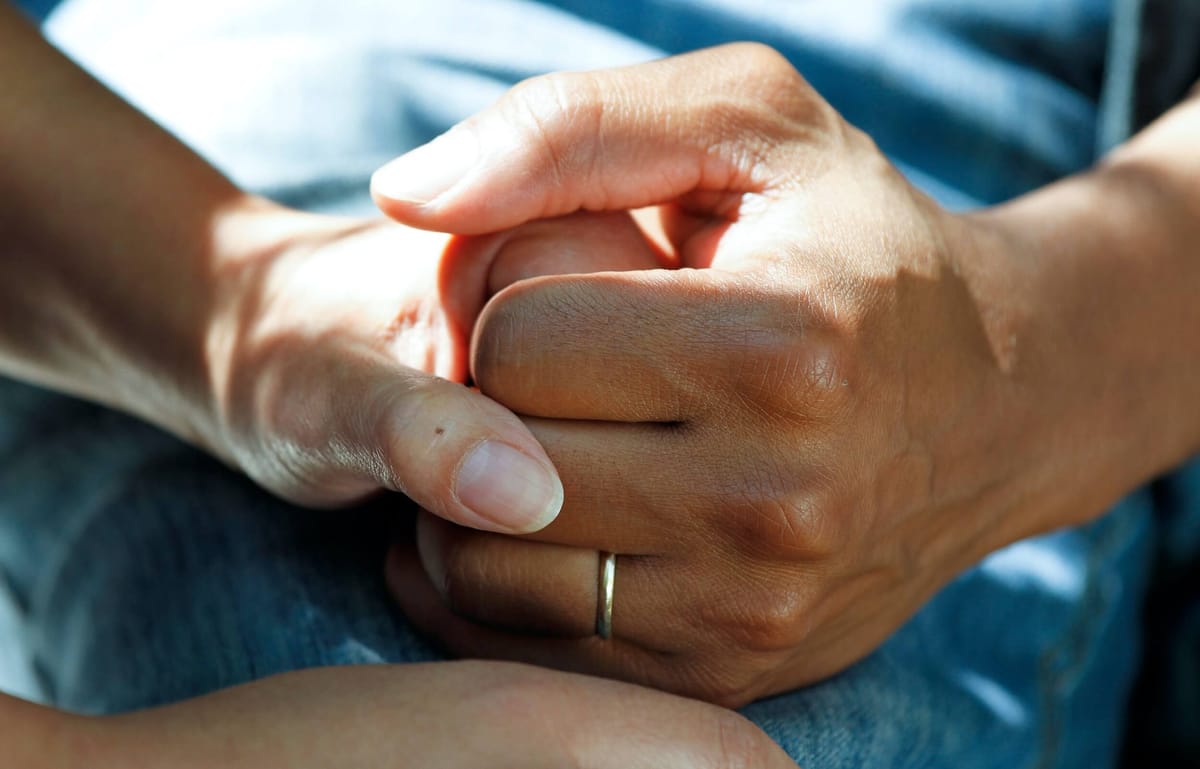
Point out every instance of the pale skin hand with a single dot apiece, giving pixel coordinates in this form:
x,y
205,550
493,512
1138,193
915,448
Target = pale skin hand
x,y
855,395
315,354
327,349
462,715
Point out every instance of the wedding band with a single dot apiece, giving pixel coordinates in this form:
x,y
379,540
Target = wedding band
x,y
604,607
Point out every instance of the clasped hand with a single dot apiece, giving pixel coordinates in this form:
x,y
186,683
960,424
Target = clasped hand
x,y
780,439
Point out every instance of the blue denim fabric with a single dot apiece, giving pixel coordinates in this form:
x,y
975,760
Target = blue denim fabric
x,y
142,572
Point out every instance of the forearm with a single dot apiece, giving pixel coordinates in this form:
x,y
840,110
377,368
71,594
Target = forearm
x,y
36,737
1107,323
111,237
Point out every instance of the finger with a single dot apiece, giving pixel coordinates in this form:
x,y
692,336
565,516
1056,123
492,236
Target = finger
x,y
575,244
693,675
686,493
421,603
647,346
537,588
616,488
367,420
466,458
710,121
475,268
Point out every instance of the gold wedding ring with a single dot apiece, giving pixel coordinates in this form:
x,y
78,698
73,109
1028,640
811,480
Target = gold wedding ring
x,y
604,606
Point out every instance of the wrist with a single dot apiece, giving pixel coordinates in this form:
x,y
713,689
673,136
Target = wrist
x,y
159,356
249,260
110,237
1096,291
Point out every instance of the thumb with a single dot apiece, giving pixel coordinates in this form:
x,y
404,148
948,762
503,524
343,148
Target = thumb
x,y
466,458
706,122
360,422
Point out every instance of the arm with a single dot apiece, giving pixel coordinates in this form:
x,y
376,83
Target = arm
x,y
1104,269
448,715
111,237
40,738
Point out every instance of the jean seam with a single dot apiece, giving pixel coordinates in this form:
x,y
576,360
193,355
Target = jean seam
x,y
1062,662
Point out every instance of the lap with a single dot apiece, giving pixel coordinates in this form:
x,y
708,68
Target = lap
x,y
147,573
143,572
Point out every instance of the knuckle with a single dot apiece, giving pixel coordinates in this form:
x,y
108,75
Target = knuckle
x,y
784,96
792,381
764,62
763,619
815,525
780,527
772,620
793,359
836,308
552,111
510,319
528,327
782,512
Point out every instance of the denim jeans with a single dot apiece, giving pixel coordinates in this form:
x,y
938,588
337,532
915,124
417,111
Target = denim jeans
x,y
138,571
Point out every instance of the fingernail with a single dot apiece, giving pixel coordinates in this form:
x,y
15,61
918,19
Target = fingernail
x,y
508,487
430,170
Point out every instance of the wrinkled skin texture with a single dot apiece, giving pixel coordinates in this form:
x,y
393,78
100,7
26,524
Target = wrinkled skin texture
x,y
792,442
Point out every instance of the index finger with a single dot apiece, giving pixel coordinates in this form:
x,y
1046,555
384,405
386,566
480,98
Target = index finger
x,y
707,121
644,346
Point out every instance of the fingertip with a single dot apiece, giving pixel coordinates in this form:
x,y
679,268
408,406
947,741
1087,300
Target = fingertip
x,y
423,175
470,211
411,213
464,457
499,482
401,211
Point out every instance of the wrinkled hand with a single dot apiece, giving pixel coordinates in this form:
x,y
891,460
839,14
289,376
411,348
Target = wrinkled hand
x,y
337,357
460,715
790,446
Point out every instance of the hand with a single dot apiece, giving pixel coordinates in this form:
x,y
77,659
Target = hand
x,y
301,349
790,447
468,715
337,359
